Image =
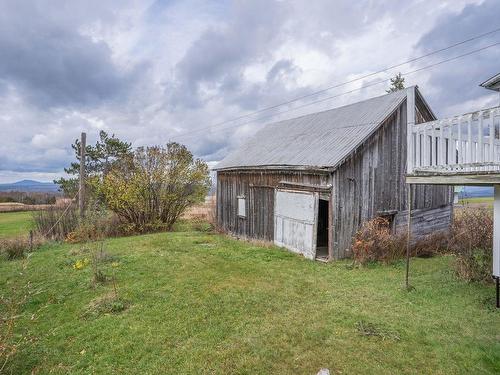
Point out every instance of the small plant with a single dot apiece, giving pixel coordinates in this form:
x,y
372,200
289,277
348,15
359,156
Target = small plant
x,y
99,256
115,290
80,264
201,225
99,277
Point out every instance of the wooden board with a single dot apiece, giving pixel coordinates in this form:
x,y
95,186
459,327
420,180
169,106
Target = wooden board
x,y
295,221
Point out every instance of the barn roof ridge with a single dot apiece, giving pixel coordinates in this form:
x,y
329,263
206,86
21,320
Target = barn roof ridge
x,y
343,106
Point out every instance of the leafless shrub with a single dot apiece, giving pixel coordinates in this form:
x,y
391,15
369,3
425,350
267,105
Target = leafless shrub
x,y
56,222
430,245
471,241
375,242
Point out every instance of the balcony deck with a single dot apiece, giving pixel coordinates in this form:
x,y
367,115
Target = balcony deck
x,y
461,150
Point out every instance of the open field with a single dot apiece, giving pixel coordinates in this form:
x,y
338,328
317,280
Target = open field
x,y
477,202
202,303
15,223
17,207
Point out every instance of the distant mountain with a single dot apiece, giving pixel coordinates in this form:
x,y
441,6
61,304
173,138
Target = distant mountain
x,y
476,191
30,186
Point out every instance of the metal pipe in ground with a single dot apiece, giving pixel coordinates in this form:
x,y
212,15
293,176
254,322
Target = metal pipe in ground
x,y
408,241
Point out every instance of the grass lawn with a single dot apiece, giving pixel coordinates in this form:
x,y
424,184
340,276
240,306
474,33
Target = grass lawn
x,y
201,303
15,223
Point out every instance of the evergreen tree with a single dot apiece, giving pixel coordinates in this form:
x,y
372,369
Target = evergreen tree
x,y
397,83
98,161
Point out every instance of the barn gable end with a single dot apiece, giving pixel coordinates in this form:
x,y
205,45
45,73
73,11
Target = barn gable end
x,y
371,183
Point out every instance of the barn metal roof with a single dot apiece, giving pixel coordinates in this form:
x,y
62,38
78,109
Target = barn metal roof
x,y
318,140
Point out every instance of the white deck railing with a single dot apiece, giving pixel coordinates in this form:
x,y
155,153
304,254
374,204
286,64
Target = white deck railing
x,y
468,143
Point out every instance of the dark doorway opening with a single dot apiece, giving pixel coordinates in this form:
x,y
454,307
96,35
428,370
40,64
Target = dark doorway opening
x,y
322,235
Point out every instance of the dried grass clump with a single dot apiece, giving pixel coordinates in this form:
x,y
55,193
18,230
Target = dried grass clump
x,y
17,247
371,329
105,305
374,242
471,241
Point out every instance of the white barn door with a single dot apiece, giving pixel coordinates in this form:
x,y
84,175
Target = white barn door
x,y
295,221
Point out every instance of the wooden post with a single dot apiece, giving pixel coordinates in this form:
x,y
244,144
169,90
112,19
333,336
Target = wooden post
x,y
408,241
81,194
496,238
31,241
496,232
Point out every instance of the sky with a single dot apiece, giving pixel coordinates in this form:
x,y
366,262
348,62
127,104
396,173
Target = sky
x,y
158,71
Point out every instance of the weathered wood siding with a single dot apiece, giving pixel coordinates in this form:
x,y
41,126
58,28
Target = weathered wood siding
x,y
258,188
424,221
372,181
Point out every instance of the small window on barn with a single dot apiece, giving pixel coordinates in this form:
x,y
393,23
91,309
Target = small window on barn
x,y
242,212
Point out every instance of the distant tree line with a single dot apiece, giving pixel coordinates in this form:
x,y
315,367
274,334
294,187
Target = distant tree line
x,y
31,198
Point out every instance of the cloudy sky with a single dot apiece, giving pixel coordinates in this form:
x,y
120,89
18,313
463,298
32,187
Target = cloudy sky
x,y
154,71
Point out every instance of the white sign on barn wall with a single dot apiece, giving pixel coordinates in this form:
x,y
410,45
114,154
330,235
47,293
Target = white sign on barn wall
x,y
295,216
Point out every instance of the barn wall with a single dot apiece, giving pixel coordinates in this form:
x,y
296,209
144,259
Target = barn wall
x,y
258,188
372,181
425,221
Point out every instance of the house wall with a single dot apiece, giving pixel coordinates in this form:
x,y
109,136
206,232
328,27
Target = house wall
x,y
371,182
258,188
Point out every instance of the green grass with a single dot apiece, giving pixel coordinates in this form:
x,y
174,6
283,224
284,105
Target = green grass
x,y
197,303
15,223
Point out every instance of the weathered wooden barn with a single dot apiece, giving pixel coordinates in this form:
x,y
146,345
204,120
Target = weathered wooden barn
x,y
309,183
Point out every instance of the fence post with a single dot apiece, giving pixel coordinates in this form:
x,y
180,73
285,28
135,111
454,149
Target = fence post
x,y
31,241
81,193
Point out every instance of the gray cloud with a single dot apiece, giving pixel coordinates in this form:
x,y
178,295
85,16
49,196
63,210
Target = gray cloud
x,y
458,81
52,63
217,58
151,71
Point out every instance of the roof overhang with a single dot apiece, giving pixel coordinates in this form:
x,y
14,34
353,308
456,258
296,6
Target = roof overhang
x,y
276,167
492,84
